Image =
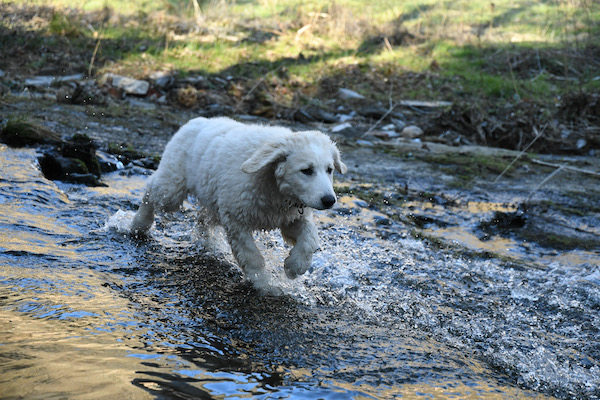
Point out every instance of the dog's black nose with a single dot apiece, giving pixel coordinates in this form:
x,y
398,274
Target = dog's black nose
x,y
328,201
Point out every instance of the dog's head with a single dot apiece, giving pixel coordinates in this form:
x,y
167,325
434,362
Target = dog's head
x,y
303,166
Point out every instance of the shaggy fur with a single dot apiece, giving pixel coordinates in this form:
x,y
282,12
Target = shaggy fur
x,y
248,178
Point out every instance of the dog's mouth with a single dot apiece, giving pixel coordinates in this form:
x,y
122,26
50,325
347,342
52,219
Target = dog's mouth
x,y
295,203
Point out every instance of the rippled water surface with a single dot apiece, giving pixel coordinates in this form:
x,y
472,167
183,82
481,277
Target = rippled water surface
x,y
87,312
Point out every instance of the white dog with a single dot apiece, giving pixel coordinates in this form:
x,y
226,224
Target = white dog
x,y
248,178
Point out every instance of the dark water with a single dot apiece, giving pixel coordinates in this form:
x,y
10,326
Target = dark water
x,y
87,312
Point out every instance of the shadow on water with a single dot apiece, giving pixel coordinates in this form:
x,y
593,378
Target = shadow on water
x,y
85,309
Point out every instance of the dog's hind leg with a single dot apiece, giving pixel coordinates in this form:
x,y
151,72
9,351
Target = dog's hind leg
x,y
165,192
246,253
144,217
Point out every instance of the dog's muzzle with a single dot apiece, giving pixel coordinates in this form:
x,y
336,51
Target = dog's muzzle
x,y
328,201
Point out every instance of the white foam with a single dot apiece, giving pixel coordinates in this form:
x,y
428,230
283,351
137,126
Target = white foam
x,y
119,222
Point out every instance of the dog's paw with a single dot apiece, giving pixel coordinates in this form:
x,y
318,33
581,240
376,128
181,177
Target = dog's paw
x,y
295,266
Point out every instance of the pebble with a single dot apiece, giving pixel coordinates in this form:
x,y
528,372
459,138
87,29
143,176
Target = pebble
x,y
128,85
411,132
341,127
162,79
108,162
347,94
47,81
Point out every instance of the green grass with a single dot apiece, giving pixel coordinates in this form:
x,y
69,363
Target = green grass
x,y
515,49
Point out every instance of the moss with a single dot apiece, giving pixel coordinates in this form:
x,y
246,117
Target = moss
x,y
21,131
560,242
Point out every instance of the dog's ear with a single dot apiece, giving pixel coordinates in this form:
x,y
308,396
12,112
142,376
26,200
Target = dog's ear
x,y
266,154
337,162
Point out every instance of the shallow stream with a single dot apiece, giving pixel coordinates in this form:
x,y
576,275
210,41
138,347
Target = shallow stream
x,y
88,312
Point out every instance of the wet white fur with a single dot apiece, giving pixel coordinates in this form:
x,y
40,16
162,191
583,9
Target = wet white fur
x,y
248,178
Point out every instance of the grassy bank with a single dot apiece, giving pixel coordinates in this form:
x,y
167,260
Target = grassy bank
x,y
524,49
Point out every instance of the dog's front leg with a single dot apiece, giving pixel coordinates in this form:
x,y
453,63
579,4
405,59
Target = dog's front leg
x,y
246,253
302,233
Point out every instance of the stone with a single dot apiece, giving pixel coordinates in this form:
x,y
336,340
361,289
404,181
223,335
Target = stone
x,y
347,94
128,85
44,81
108,162
411,132
162,79
341,127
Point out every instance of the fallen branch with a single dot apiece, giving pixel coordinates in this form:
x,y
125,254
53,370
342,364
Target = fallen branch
x,y
556,171
572,169
537,136
376,124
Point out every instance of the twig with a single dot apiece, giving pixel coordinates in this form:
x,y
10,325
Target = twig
x,y
376,124
197,11
387,43
556,171
261,80
512,76
572,169
94,56
384,116
537,136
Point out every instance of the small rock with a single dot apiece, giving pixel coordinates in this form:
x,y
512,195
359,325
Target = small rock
x,y
347,94
162,79
581,143
314,114
57,167
361,203
195,80
364,143
346,117
321,115
384,135
40,81
399,123
47,81
65,94
411,132
108,162
382,220
128,85
341,127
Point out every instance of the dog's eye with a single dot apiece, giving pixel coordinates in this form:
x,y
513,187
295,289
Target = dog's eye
x,y
307,171
329,170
